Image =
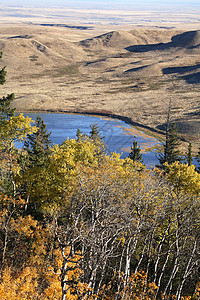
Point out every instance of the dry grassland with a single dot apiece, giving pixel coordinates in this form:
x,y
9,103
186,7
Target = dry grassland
x,y
105,69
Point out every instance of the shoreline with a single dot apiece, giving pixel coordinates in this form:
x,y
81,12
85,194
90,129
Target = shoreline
x,y
144,129
158,134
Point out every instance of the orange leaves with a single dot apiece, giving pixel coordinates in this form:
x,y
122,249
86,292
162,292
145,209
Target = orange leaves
x,y
197,291
24,225
137,288
19,286
71,276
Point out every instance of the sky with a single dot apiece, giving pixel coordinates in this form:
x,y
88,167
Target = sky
x,y
115,4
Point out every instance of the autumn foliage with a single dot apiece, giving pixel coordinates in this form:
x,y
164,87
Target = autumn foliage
x,y
99,230
76,223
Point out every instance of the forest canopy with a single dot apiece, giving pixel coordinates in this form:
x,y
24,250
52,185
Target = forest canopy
x,y
76,223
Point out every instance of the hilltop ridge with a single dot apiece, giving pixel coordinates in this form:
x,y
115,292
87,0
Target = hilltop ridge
x,y
122,39
187,39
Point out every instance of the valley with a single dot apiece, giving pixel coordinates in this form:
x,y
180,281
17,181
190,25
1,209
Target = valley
x,y
130,74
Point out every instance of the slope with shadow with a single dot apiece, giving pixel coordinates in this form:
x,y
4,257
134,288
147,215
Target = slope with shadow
x,y
191,74
189,39
158,55
52,47
123,39
184,64
186,40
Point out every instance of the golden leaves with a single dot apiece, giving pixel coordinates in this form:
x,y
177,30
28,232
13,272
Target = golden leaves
x,y
184,177
19,286
16,128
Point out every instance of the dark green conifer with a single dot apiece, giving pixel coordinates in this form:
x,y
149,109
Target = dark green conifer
x,y
94,133
170,154
5,110
198,161
189,155
8,152
97,140
2,73
37,144
79,135
135,153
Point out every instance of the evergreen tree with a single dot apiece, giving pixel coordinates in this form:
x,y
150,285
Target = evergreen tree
x,y
198,161
170,153
37,145
94,133
97,140
135,153
5,110
12,128
2,73
79,135
189,155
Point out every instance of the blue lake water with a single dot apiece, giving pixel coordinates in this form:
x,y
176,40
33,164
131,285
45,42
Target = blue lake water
x,y
117,135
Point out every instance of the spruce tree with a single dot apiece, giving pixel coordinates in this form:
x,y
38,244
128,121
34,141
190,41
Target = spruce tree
x,y
79,135
94,133
5,110
97,140
198,161
135,153
170,153
37,145
10,131
189,155
2,73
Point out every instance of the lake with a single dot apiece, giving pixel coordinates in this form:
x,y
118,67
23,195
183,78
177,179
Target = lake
x,y
118,136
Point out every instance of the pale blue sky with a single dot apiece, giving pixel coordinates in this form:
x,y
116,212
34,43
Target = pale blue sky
x,y
128,4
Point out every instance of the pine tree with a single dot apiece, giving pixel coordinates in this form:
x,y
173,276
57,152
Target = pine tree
x,y
79,135
94,133
37,144
5,110
198,161
170,152
2,73
189,155
135,153
12,128
97,140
